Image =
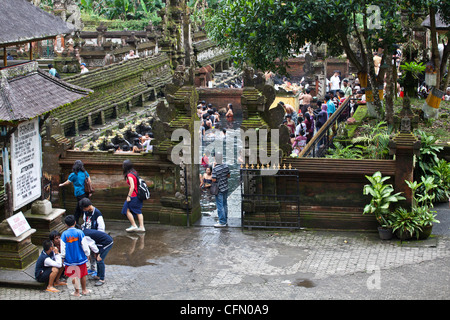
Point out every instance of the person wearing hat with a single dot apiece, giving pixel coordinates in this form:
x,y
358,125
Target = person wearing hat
x,y
83,68
346,88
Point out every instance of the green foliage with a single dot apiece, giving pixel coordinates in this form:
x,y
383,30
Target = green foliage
x,y
431,167
421,214
382,198
123,9
262,31
406,222
374,140
441,175
341,152
413,68
429,150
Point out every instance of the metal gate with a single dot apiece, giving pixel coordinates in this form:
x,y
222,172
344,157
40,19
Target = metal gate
x,y
270,197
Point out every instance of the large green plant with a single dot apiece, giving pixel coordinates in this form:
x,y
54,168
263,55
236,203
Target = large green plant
x,y
429,165
374,140
410,77
429,151
383,197
411,222
341,152
406,223
441,175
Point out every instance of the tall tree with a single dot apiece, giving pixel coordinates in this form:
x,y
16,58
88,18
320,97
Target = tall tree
x,y
434,9
266,32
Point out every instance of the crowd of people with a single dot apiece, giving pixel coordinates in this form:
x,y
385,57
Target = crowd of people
x,y
79,252
76,254
210,118
214,124
312,114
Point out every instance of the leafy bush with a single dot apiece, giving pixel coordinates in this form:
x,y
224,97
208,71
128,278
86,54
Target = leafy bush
x,y
382,198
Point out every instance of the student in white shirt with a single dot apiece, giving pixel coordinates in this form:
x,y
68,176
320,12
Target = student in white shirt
x,y
335,83
49,266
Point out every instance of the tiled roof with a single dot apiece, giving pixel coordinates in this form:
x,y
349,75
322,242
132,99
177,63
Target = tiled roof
x,y
22,22
27,92
440,23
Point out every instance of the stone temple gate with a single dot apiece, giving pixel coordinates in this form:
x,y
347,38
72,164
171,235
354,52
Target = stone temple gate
x,y
163,90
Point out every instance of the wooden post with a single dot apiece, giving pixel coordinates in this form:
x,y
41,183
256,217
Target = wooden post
x,y
5,60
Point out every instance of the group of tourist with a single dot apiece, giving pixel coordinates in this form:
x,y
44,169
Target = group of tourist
x,y
210,117
313,113
142,143
68,255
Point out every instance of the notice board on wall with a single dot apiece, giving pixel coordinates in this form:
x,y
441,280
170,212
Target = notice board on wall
x,y
26,171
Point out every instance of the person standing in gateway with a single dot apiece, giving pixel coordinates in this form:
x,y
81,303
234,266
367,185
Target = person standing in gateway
x,y
220,174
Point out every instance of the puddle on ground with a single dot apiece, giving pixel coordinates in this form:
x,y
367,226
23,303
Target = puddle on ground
x,y
306,283
138,249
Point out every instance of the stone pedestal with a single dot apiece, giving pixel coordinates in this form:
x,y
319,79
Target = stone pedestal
x,y
404,145
16,252
44,219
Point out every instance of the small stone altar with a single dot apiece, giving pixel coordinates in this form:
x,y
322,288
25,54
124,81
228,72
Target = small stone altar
x,y
16,252
44,218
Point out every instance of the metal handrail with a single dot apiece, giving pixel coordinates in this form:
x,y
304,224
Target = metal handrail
x,y
310,148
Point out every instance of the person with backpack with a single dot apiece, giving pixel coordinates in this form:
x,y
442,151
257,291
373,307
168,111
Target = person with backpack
x,y
133,204
53,71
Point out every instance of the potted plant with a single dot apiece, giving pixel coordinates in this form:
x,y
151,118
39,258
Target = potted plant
x,y
427,219
418,222
405,224
379,206
410,78
422,204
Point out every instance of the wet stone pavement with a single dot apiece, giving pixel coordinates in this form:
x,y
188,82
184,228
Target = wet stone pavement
x,y
205,263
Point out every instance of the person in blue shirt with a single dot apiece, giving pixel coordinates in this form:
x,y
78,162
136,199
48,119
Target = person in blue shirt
x,y
52,71
331,108
74,251
77,178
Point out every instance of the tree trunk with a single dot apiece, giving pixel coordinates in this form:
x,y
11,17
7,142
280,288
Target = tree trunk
x,y
372,77
434,47
445,61
390,87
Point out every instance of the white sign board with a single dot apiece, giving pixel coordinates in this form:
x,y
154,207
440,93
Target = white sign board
x,y
26,163
18,223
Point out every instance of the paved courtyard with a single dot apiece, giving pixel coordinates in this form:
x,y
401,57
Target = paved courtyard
x,y
204,263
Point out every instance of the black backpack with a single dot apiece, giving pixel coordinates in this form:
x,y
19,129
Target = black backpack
x,y
143,193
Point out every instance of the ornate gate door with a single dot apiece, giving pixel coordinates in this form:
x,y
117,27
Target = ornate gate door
x,y
270,198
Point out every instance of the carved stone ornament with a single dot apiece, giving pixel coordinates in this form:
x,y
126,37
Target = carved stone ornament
x,y
405,125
